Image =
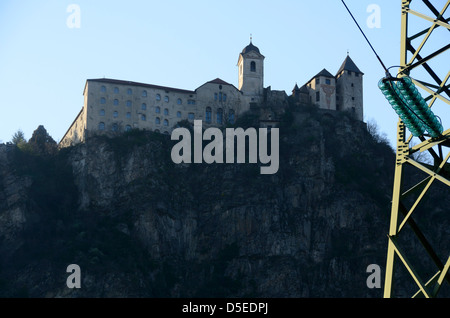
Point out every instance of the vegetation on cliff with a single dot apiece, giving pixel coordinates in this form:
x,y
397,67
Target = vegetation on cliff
x,y
139,225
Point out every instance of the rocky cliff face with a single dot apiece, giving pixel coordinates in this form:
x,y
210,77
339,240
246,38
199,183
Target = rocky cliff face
x,y
139,225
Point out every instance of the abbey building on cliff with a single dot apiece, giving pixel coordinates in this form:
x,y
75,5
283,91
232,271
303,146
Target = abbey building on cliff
x,y
113,106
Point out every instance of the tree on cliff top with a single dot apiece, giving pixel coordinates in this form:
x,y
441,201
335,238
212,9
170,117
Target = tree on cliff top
x,y
18,138
41,142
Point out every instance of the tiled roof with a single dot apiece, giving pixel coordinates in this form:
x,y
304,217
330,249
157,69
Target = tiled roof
x,y
304,89
325,73
219,81
249,48
349,65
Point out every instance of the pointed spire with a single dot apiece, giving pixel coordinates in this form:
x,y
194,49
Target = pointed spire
x,y
250,38
349,65
295,90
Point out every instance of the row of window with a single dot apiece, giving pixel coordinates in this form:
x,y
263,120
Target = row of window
x,y
221,97
191,116
143,116
157,120
116,91
327,81
115,127
208,113
115,114
143,94
143,107
101,125
129,104
157,110
116,101
219,116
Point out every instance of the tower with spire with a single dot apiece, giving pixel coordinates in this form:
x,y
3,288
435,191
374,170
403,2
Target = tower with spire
x,y
342,92
349,88
251,73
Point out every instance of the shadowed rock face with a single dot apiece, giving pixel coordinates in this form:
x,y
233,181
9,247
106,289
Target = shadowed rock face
x,y
139,225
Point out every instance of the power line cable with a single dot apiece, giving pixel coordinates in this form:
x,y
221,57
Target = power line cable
x,y
375,52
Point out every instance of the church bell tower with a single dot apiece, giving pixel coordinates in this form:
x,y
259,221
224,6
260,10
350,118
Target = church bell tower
x,y
251,71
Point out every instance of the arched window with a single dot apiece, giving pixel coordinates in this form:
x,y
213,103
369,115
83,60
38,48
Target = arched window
x,y
157,110
224,97
116,90
103,89
178,114
115,127
231,116
102,100
144,93
129,91
127,128
144,106
101,126
157,121
219,118
128,103
166,99
191,116
143,117
128,115
253,66
166,111
116,102
208,115
179,101
158,97
166,122
102,112
115,114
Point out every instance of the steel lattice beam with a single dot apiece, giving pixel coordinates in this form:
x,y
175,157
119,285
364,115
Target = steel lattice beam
x,y
401,215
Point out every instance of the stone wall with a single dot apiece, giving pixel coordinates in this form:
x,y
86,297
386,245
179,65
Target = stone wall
x,y
350,92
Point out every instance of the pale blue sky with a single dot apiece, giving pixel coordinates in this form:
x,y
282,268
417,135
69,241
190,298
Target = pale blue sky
x,y
44,64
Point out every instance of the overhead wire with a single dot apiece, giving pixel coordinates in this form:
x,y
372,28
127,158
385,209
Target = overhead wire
x,y
389,77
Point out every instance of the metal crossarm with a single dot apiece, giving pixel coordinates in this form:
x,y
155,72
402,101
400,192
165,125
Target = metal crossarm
x,y
401,216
